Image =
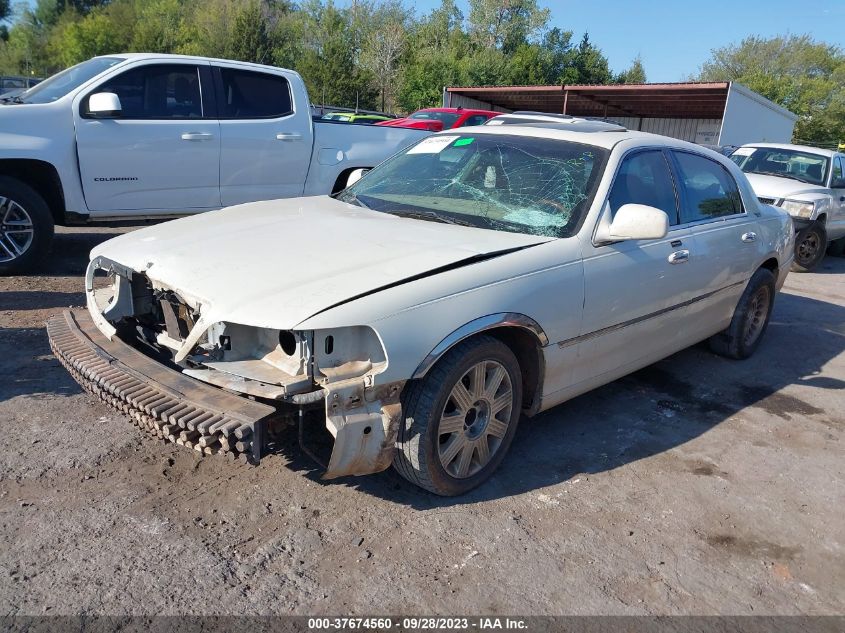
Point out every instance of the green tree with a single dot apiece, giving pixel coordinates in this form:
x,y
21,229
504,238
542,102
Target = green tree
x,y
249,39
159,28
505,24
385,34
328,61
589,65
102,31
635,74
795,71
5,10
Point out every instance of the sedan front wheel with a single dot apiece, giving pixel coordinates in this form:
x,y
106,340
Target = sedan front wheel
x,y
460,419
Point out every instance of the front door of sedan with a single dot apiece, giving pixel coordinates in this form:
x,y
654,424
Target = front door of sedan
x,y
727,240
636,291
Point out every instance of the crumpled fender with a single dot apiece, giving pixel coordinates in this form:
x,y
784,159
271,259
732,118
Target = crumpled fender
x,y
365,424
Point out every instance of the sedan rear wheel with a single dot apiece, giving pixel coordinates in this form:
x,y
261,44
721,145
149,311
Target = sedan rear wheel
x,y
460,419
750,318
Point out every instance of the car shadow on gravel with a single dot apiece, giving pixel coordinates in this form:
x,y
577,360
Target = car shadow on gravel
x,y
39,299
72,248
651,411
28,367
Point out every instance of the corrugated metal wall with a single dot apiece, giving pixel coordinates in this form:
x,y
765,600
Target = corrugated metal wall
x,y
460,101
683,129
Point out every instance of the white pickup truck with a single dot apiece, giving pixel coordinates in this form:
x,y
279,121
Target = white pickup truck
x,y
149,136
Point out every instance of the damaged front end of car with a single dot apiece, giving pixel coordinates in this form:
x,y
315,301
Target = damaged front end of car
x,y
185,374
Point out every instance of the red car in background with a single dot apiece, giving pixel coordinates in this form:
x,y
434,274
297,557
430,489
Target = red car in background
x,y
437,119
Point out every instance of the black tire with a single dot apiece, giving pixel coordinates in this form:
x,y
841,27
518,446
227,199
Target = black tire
x,y
426,401
810,245
836,248
32,205
750,320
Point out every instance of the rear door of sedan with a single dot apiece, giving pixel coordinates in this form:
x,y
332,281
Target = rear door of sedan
x,y
727,244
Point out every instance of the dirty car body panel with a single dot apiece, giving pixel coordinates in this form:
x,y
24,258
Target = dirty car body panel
x,y
341,304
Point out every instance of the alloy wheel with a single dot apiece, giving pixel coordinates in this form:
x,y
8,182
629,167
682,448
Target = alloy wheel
x,y
475,419
16,230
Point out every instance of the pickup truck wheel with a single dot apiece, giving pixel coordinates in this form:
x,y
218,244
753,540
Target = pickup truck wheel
x,y
810,245
836,248
460,419
750,319
26,227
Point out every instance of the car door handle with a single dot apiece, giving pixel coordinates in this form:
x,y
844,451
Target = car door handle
x,y
678,257
288,136
749,237
197,136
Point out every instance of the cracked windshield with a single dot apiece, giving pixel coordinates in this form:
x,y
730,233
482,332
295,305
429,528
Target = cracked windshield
x,y
490,181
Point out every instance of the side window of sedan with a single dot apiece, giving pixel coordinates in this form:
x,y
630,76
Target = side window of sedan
x,y
644,178
709,190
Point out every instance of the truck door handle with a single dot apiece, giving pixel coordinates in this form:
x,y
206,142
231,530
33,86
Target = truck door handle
x,y
678,257
749,237
288,136
197,136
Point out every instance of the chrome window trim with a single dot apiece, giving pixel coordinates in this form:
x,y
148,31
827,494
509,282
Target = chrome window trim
x,y
744,211
618,326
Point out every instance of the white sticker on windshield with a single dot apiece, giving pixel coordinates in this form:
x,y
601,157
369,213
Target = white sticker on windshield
x,y
432,145
744,151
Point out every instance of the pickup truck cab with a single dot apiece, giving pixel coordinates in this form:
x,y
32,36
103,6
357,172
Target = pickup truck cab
x,y
149,136
806,182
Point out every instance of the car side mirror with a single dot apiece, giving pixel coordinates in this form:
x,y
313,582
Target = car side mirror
x,y
635,222
104,105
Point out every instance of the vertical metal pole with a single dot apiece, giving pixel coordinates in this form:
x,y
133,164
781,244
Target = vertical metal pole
x,y
565,100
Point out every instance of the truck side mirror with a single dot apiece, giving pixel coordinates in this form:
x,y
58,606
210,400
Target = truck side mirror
x,y
104,105
355,175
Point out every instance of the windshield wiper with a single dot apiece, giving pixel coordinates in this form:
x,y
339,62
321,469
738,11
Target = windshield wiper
x,y
783,175
352,199
431,216
12,99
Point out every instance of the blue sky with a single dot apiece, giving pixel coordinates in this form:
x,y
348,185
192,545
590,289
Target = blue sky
x,y
675,37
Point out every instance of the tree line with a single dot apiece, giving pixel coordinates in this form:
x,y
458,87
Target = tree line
x,y
379,54
374,53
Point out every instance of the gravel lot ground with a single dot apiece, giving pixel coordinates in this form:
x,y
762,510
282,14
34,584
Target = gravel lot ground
x,y
696,486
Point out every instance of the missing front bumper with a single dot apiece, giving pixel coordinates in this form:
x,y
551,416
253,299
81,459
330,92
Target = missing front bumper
x,y
172,406
157,399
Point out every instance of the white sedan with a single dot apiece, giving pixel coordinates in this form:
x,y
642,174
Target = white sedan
x,y
479,276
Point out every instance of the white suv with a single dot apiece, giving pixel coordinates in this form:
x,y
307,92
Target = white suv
x,y
806,182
